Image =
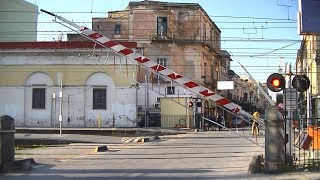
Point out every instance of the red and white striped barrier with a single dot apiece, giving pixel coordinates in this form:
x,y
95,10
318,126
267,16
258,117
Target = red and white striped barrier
x,y
144,61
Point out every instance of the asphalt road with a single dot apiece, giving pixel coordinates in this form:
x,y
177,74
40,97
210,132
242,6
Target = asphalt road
x,y
202,155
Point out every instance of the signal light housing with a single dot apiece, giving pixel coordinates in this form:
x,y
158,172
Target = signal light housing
x,y
199,104
276,82
301,83
190,104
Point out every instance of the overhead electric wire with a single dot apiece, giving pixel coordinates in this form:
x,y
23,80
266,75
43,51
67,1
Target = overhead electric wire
x,y
197,28
224,39
269,52
186,38
187,21
104,12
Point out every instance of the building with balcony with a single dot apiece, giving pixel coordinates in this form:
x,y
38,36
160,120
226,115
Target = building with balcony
x,y
180,36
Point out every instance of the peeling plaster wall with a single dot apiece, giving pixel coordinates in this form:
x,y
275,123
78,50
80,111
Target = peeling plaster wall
x,y
187,24
189,27
106,26
72,107
12,103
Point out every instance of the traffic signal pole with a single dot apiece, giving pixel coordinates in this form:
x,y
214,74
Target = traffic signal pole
x,y
289,129
276,82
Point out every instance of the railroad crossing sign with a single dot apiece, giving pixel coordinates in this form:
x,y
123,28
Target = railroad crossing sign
x,y
291,100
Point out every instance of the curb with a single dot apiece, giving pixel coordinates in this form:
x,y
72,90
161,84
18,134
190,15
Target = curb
x,y
139,139
100,149
104,131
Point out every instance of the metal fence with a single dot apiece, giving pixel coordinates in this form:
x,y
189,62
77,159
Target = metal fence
x,y
306,146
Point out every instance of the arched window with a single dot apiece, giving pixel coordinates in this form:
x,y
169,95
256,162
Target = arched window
x,y
38,82
101,84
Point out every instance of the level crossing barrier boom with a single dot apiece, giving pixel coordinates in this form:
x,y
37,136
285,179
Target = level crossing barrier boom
x,y
152,65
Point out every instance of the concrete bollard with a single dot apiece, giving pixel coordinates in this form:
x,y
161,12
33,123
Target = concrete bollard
x,y
256,164
6,143
274,140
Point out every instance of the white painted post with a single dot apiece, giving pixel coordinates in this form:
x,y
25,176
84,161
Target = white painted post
x,y
53,117
60,110
60,75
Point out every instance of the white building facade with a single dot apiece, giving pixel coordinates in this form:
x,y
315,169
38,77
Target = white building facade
x,y
95,91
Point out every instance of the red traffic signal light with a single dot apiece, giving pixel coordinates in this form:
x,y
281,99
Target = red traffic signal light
x,y
302,83
276,82
190,104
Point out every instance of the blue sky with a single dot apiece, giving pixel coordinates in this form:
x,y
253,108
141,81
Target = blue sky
x,y
261,42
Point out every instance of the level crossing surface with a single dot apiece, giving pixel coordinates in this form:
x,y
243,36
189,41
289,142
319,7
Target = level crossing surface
x,y
195,155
